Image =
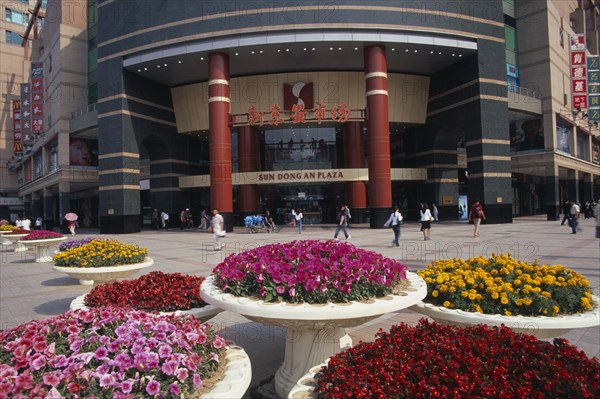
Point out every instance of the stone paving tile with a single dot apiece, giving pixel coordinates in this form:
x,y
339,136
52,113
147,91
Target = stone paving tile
x,y
35,291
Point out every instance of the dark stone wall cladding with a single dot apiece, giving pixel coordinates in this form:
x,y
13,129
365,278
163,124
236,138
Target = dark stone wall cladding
x,y
120,18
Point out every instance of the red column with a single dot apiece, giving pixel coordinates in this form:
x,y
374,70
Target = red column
x,y
248,162
354,157
219,136
378,133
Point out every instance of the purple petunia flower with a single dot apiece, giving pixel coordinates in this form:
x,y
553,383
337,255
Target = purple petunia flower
x,y
153,387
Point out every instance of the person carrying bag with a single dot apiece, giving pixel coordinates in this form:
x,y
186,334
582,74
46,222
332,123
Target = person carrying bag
x,y
394,222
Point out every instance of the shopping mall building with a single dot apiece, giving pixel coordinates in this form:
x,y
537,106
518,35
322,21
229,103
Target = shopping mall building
x,y
255,105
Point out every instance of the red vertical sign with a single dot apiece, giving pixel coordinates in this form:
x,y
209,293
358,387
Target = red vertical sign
x,y
578,72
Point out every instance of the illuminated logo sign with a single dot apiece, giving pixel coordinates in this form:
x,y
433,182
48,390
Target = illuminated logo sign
x,y
299,93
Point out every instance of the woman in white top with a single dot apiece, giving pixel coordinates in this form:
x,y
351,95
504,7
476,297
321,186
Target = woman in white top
x,y
26,223
426,221
394,221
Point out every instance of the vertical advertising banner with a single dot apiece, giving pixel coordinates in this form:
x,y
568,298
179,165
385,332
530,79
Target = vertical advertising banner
x,y
578,73
593,76
16,115
25,113
37,97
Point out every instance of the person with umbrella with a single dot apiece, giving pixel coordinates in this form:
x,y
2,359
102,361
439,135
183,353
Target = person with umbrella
x,y
72,222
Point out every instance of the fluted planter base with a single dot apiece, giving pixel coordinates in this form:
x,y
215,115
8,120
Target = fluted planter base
x,y
42,248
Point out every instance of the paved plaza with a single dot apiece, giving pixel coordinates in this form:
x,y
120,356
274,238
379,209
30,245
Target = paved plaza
x,y
35,291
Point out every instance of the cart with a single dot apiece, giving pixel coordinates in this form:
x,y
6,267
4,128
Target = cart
x,y
256,223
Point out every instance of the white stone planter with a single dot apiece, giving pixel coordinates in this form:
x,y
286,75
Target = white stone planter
x,y
99,275
3,240
314,332
540,326
305,387
42,248
238,375
203,314
14,239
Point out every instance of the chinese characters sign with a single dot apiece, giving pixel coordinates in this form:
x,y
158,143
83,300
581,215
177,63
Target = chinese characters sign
x,y
339,113
579,90
25,113
16,114
593,77
37,97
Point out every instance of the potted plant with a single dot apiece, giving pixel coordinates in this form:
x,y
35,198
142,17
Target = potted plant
x,y
314,288
543,300
42,240
102,260
433,360
114,353
160,292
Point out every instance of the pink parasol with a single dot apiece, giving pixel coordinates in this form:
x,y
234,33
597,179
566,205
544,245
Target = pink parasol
x,y
71,216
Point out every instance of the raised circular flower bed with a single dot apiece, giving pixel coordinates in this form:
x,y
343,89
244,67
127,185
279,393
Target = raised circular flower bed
x,y
433,360
111,352
542,300
6,229
14,237
314,288
165,293
101,261
42,240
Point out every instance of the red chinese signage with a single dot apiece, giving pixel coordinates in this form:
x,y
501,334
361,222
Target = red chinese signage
x,y
37,97
339,113
578,72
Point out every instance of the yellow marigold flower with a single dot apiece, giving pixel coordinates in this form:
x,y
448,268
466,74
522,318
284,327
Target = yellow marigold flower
x,y
507,313
517,282
585,303
435,293
495,295
472,296
555,309
504,300
478,309
464,294
546,294
446,304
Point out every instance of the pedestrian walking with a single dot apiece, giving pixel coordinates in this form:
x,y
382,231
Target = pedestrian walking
x,y
566,208
218,228
574,217
19,222
183,219
38,223
71,226
436,213
597,217
342,224
348,215
394,222
203,220
155,221
476,214
164,218
298,216
426,219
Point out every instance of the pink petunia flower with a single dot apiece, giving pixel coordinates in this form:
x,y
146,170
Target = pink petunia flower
x,y
153,387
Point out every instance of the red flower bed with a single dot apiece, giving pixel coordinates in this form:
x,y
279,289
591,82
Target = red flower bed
x,y
436,361
41,235
156,291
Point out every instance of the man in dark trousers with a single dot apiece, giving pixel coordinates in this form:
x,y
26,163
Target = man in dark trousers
x,y
566,208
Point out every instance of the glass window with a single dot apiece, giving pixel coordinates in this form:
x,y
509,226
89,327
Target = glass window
x,y
13,38
583,151
37,166
298,148
40,22
563,135
92,14
510,35
93,93
92,59
53,161
16,16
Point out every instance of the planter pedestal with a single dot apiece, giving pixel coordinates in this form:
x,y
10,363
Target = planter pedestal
x,y
540,326
4,241
105,274
314,332
237,378
14,239
42,248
